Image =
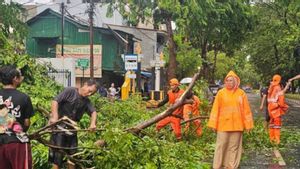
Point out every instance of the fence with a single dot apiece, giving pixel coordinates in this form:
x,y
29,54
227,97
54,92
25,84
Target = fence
x,y
61,76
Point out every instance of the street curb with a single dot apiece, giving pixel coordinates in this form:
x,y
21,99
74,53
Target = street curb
x,y
281,162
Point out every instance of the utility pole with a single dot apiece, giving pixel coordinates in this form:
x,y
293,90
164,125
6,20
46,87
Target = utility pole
x,y
91,13
62,27
138,51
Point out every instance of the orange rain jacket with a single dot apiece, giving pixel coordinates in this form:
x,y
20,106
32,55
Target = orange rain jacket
x,y
231,110
192,110
172,99
174,121
276,104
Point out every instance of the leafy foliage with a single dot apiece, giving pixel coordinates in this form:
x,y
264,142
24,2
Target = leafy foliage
x,y
202,26
189,58
271,44
10,22
38,86
238,63
154,150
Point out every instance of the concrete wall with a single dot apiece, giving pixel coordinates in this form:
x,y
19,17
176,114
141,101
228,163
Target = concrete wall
x,y
60,64
150,48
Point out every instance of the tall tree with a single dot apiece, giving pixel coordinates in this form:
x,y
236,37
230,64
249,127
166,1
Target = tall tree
x,y
218,26
206,25
10,22
272,43
162,12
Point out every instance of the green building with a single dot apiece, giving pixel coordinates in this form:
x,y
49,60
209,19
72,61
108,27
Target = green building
x,y
45,41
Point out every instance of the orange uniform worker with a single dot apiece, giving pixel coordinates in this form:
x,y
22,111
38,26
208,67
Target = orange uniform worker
x,y
190,111
230,116
173,94
276,107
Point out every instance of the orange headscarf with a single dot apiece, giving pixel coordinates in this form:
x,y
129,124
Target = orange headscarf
x,y
236,80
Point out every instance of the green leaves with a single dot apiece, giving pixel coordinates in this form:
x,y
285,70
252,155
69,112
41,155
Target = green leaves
x,y
10,24
274,38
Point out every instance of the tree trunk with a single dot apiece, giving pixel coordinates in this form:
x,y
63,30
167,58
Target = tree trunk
x,y
136,129
171,71
276,53
204,69
215,64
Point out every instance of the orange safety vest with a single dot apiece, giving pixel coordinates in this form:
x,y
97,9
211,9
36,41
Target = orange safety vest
x,y
173,96
276,103
196,105
192,108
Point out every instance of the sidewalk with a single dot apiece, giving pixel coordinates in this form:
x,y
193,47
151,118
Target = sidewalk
x,y
292,101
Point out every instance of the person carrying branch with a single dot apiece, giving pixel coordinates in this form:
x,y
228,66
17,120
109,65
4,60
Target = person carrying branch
x,y
294,78
276,107
190,111
73,103
15,112
173,94
230,117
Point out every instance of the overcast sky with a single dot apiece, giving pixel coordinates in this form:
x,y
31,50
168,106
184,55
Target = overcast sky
x,y
31,1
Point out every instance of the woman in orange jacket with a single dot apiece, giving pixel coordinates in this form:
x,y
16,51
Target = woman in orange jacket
x,y
276,107
230,116
190,111
173,94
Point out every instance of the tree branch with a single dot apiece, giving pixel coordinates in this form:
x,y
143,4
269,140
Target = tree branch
x,y
136,129
37,133
194,118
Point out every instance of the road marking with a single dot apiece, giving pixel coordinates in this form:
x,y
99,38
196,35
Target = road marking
x,y
281,162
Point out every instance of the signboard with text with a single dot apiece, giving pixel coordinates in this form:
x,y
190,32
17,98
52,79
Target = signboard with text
x,y
131,62
83,63
82,53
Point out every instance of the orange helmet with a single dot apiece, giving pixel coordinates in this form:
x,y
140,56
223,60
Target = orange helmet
x,y
174,81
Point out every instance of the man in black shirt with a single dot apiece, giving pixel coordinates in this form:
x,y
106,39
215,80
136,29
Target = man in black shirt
x,y
15,151
73,103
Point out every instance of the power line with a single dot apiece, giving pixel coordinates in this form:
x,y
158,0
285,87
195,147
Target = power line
x,y
38,6
26,2
74,6
97,10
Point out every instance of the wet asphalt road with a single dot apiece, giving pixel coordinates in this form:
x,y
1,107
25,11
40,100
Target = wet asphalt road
x,y
265,160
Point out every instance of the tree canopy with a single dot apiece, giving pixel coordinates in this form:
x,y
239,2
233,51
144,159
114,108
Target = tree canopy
x,y
271,45
10,23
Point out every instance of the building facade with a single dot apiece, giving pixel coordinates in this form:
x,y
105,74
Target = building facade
x,y
45,41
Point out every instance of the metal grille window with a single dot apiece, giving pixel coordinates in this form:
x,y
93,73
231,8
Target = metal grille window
x,y
62,76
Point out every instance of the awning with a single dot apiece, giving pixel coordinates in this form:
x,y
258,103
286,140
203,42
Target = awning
x,y
118,36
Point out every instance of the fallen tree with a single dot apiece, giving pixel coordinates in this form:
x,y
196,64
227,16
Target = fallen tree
x,y
137,129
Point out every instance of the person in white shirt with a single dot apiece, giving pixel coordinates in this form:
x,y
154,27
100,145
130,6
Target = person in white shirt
x,y
112,91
